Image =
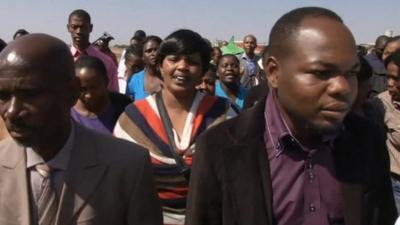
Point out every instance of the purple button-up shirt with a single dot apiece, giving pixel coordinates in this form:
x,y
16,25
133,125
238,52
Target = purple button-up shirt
x,y
305,188
112,70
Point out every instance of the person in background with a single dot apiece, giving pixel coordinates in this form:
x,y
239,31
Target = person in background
x,y
52,169
80,26
391,46
296,157
228,85
97,108
19,33
258,92
378,79
363,86
133,62
248,62
216,55
147,81
168,123
102,44
140,34
207,84
384,110
136,43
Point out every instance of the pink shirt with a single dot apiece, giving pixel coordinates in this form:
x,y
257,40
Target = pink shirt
x,y
112,71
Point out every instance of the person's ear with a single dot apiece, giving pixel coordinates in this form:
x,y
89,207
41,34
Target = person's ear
x,y
90,28
272,69
68,27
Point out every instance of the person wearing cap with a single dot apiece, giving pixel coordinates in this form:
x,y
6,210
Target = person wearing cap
x,y
102,44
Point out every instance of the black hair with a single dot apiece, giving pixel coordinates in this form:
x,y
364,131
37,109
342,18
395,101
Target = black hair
x,y
228,55
287,27
92,62
132,51
212,67
365,69
252,36
185,42
140,34
153,38
392,39
361,50
81,14
381,40
394,57
139,39
3,44
20,32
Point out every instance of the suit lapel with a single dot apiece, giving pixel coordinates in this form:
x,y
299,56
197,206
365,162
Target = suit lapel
x,y
82,177
252,142
349,172
15,209
263,163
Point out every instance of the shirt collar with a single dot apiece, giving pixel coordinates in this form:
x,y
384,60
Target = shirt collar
x,y
279,133
89,50
60,161
247,58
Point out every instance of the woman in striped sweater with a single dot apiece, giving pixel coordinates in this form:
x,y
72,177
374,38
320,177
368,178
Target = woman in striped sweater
x,y
168,122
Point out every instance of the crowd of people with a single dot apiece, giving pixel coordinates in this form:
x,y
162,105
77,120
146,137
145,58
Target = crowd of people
x,y
180,132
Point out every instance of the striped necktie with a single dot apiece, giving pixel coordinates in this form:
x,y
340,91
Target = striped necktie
x,y
47,203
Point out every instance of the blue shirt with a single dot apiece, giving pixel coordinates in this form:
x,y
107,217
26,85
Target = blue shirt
x,y
136,86
219,91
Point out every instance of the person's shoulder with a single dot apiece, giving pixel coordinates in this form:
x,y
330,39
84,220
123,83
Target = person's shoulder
x,y
112,150
241,128
361,127
119,98
137,77
102,56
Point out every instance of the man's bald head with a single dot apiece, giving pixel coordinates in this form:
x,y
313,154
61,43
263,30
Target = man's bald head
x,y
38,53
286,28
37,90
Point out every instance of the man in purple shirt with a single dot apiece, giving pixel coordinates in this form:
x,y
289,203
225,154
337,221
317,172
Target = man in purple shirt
x,y
79,26
297,157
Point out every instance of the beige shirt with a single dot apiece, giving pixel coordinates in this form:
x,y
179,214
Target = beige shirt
x,y
387,116
59,164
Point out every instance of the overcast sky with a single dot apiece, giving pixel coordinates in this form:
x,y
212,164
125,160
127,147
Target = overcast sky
x,y
214,19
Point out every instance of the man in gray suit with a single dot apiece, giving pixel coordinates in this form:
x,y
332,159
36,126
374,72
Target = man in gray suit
x,y
52,170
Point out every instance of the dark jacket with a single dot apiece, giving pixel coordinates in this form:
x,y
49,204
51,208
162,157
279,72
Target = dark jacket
x,y
231,184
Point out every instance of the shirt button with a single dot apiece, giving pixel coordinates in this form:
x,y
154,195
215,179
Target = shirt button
x,y
311,177
312,208
309,166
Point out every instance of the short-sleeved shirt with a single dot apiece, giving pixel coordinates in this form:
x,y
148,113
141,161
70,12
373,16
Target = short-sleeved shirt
x,y
136,86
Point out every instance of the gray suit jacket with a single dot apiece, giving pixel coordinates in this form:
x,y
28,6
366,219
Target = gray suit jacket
x,y
108,181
